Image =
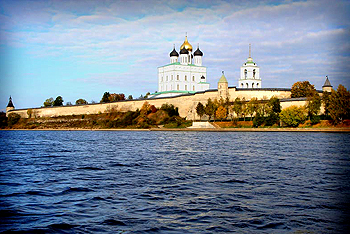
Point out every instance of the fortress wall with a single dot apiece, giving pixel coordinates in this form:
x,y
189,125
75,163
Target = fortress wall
x,y
260,94
186,103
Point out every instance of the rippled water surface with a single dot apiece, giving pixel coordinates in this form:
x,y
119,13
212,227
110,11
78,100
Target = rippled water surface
x,y
174,182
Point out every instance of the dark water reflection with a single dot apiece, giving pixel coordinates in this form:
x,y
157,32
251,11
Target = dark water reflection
x,y
174,182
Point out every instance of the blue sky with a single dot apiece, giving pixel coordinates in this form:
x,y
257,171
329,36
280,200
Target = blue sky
x,y
81,49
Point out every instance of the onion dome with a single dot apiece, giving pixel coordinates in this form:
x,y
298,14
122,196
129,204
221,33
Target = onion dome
x,y
183,51
198,52
174,53
186,45
10,104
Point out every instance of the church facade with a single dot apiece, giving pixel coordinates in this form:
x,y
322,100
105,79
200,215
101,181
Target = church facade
x,y
184,74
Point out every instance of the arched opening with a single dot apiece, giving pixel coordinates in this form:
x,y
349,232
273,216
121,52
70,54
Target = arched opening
x,y
185,78
241,85
253,85
247,85
178,87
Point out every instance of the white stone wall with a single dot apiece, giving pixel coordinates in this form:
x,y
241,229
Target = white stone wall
x,y
186,103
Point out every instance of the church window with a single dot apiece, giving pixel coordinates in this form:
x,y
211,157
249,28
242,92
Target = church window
x,y
245,74
247,85
171,87
192,78
193,87
185,78
254,74
253,85
177,77
186,87
178,87
166,78
162,78
257,85
171,77
241,85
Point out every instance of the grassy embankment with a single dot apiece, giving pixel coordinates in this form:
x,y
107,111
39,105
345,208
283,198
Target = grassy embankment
x,y
113,120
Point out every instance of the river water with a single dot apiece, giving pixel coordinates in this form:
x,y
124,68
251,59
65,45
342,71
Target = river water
x,y
174,182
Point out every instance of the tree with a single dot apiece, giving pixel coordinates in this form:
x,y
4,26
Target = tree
x,y
221,113
293,116
69,104
130,97
81,102
200,110
105,97
237,107
145,109
326,102
313,104
58,101
116,97
252,107
275,105
339,104
210,108
49,102
13,118
170,109
302,89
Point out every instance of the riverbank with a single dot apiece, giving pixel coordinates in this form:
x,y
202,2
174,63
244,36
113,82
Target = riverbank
x,y
199,129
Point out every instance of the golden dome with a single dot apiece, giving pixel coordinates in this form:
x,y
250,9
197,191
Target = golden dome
x,y
186,45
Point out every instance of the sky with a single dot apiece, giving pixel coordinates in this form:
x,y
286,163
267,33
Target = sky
x,y
81,49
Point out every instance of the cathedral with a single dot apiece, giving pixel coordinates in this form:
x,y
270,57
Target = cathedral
x,y
184,74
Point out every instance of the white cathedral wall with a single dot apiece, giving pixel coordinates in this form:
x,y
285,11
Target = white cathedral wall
x,y
189,78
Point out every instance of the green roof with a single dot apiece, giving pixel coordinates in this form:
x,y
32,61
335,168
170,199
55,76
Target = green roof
x,y
178,63
203,83
172,91
223,79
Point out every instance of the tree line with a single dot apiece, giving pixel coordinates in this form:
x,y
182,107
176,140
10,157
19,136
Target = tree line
x,y
268,112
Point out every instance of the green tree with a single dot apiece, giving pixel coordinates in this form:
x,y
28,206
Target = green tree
x,y
313,104
326,102
170,109
58,101
13,118
200,110
275,105
221,113
105,98
49,102
81,102
210,108
130,97
339,104
252,107
293,116
302,89
237,107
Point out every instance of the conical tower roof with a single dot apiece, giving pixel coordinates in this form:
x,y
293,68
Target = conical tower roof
x,y
10,104
327,83
223,78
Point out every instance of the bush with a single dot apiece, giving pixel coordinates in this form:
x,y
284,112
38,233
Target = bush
x,y
13,118
258,120
293,116
170,109
315,119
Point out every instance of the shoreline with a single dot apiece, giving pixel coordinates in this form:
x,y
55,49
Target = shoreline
x,y
346,130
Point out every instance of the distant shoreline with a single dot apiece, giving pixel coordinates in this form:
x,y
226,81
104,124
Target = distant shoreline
x,y
200,129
